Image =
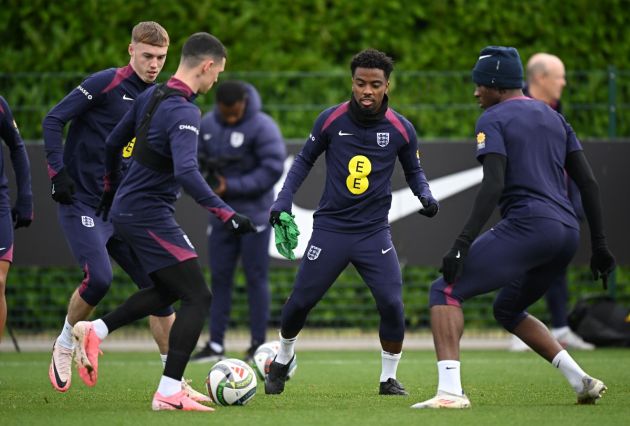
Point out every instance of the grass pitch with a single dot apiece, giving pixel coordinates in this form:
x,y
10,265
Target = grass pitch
x,y
329,388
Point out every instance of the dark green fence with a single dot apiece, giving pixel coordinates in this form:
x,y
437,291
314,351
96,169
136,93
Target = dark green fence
x,y
38,297
439,103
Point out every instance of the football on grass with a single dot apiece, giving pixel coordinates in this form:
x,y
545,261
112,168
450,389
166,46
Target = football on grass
x,y
231,382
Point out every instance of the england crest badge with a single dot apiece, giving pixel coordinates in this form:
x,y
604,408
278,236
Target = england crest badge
x,y
313,252
87,221
236,139
382,139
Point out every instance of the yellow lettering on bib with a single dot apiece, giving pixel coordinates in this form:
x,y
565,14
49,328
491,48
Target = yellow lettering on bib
x,y
359,167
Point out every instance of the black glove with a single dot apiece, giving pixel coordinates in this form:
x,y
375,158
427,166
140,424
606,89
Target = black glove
x,y
105,204
453,261
240,224
20,220
62,187
274,218
602,264
430,206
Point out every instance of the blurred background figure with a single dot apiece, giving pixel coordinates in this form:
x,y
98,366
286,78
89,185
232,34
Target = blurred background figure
x,y
545,82
241,154
545,79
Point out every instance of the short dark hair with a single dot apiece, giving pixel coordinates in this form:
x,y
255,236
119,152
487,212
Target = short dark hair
x,y
200,46
372,58
230,92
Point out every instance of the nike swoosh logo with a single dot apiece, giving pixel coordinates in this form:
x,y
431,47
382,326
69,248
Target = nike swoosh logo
x,y
235,224
458,255
60,382
484,57
127,98
179,406
385,251
345,134
2,248
404,203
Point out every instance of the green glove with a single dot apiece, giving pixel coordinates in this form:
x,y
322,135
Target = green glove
x,y
286,235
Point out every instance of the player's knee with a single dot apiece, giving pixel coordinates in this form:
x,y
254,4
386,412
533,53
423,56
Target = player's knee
x,y
392,315
95,284
200,298
391,308
505,316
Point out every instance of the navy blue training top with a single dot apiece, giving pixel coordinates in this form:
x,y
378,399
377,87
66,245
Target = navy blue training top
x,y
95,107
173,133
536,140
360,162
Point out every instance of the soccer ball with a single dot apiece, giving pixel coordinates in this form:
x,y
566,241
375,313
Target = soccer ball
x,y
231,382
265,354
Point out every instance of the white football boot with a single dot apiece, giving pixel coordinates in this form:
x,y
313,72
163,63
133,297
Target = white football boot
x,y
444,400
593,390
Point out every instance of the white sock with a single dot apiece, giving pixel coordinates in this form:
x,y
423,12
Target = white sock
x,y
163,357
100,329
571,370
389,365
449,377
65,338
169,386
286,351
216,347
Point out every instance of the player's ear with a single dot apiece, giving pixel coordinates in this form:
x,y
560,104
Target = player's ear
x,y
207,64
130,49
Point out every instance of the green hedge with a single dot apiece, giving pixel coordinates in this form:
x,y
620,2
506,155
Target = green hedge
x,y
38,297
83,36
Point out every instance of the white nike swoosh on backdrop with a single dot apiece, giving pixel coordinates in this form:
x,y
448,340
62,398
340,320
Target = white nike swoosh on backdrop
x,y
404,203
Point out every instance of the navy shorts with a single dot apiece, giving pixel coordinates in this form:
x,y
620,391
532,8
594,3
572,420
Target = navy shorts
x,y
92,241
326,256
328,253
86,234
158,243
6,236
523,257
